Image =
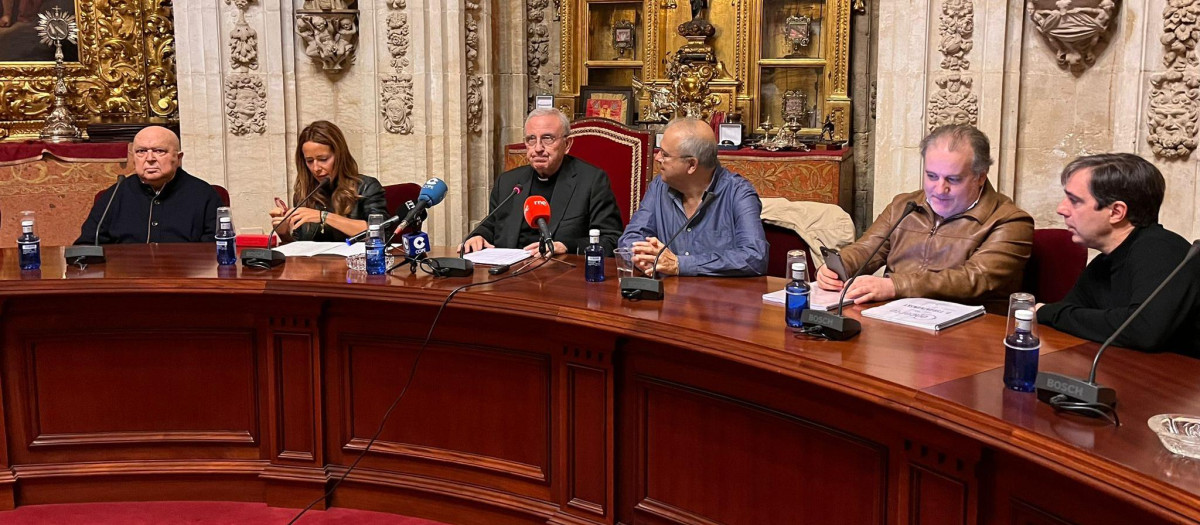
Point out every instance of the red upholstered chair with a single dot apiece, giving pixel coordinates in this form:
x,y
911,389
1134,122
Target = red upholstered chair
x,y
1054,265
396,194
783,240
626,154
221,191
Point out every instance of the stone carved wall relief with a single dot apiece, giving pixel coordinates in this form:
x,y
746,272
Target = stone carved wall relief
x,y
474,81
1073,28
953,102
328,32
396,103
246,104
1175,93
538,52
243,40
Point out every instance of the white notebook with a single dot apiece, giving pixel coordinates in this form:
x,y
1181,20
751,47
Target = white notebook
x,y
818,299
928,314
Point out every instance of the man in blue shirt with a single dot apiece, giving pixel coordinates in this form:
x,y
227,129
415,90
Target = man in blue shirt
x,y
725,239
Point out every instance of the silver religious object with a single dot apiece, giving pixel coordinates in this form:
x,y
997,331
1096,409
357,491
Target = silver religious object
x,y
53,27
623,38
797,32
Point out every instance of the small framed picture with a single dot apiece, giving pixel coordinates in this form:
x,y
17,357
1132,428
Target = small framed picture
x,y
543,101
613,103
730,135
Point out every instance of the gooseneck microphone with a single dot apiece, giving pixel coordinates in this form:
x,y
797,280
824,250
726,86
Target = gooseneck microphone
x,y
838,327
515,191
1088,397
651,288
266,258
93,254
537,214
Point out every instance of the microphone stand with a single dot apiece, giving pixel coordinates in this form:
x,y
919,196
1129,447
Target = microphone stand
x,y
838,327
93,254
1088,397
266,258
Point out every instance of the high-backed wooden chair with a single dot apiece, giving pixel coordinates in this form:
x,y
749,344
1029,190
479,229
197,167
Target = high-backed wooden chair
x,y
626,154
397,194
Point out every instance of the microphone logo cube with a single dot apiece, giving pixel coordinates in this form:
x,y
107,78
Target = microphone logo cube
x,y
416,244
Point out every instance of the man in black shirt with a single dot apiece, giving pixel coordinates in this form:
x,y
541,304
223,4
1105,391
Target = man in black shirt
x,y
579,194
1111,205
163,204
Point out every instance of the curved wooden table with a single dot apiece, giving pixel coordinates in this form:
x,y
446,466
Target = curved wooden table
x,y
545,399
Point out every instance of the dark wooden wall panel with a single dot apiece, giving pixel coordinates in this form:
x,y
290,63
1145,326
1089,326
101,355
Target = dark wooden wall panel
x,y
732,462
588,472
487,409
936,499
295,373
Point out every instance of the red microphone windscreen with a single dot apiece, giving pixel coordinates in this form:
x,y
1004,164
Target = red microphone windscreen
x,y
536,208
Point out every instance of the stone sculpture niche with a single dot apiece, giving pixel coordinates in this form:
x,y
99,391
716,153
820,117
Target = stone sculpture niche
x,y
1073,28
328,30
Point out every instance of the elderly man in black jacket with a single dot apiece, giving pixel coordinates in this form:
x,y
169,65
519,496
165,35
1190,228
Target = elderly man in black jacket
x,y
579,194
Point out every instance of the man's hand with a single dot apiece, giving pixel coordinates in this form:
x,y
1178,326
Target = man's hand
x,y
828,280
868,289
559,249
644,253
474,244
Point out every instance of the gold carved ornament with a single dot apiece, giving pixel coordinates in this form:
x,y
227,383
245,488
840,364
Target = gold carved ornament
x,y
126,69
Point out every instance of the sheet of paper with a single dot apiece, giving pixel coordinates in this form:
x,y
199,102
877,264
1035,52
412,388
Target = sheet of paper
x,y
818,299
497,256
308,248
928,314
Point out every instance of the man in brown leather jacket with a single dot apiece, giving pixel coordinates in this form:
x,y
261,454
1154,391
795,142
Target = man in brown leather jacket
x,y
964,241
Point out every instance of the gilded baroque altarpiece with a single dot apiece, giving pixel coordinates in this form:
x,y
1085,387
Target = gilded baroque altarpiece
x,y
126,69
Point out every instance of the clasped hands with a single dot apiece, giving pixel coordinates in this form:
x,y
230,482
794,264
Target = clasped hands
x,y
644,253
864,289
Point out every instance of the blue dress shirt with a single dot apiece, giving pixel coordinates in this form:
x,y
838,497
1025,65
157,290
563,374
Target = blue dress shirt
x,y
726,239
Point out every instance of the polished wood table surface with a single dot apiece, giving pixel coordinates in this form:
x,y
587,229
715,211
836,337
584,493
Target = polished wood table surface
x,y
546,399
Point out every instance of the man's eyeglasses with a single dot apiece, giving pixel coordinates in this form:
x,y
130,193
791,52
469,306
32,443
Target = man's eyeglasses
x,y
143,152
545,140
666,155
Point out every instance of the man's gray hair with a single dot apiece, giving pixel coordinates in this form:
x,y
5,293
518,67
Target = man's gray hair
x,y
954,134
702,147
542,112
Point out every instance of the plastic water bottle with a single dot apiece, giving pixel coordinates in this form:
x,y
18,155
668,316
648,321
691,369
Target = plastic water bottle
x,y
226,238
1021,354
29,243
594,255
797,295
376,258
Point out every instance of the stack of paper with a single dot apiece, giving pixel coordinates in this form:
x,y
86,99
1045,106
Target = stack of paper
x,y
497,256
818,299
928,314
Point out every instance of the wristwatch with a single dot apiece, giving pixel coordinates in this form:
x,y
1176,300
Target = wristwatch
x,y
324,215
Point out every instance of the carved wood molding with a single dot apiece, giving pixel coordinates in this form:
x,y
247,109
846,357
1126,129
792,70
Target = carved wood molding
x,y
126,69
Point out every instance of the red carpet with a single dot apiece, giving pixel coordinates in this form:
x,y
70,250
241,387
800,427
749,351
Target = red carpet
x,y
193,513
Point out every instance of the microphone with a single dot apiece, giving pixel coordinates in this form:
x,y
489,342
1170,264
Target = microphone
x,y
458,266
515,191
431,195
1068,393
836,326
93,254
537,212
651,288
267,258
